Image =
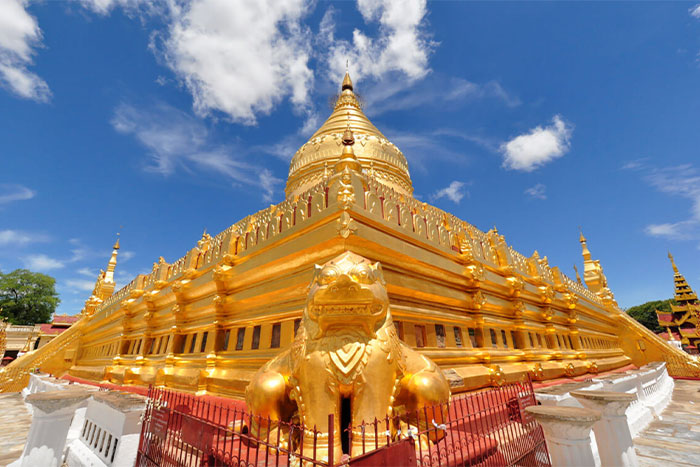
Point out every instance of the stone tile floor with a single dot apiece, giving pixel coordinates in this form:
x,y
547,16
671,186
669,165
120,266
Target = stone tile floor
x,y
674,439
15,421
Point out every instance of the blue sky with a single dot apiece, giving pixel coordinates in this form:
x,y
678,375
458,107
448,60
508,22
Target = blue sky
x,y
162,118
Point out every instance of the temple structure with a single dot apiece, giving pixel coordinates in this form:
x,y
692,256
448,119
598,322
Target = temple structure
x,y
481,311
683,322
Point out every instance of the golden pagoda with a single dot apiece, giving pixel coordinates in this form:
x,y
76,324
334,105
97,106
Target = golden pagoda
x,y
228,312
683,322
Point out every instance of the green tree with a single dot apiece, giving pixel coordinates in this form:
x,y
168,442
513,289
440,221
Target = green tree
x,y
646,314
27,297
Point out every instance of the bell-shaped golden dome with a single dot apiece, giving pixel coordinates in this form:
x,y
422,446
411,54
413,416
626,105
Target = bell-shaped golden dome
x,y
378,156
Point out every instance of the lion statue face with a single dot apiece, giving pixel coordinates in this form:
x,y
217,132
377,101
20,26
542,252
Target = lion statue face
x,y
347,293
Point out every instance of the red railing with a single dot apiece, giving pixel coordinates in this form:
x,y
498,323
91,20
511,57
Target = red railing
x,y
489,428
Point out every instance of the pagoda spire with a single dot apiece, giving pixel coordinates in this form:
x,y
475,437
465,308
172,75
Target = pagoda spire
x,y
111,266
673,263
585,251
593,273
684,294
347,82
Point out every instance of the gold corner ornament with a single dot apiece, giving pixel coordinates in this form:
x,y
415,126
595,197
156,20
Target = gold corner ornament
x,y
346,225
346,348
496,376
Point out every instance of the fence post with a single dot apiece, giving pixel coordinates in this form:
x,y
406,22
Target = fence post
x,y
568,434
331,440
612,433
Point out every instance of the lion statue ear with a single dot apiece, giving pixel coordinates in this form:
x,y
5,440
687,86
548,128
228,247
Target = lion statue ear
x,y
378,272
317,274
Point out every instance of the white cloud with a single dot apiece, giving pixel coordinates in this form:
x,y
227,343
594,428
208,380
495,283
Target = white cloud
x,y
178,140
10,192
80,285
695,11
20,35
402,45
17,238
241,58
675,231
104,7
538,191
454,191
268,183
436,90
42,263
539,146
636,164
683,181
125,255
87,272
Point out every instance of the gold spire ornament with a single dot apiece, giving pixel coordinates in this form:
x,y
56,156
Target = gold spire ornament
x,y
371,148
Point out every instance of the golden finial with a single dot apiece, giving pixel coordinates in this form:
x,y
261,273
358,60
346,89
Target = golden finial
x,y
584,247
578,277
116,244
347,82
673,263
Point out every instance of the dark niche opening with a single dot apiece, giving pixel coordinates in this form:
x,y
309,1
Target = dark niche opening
x,y
345,423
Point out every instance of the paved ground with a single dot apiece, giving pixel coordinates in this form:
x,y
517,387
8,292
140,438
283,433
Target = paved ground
x,y
675,438
14,427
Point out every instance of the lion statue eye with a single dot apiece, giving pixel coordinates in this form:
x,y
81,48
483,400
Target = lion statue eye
x,y
328,275
362,275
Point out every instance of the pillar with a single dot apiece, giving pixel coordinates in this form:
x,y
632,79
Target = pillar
x,y
567,431
52,415
612,432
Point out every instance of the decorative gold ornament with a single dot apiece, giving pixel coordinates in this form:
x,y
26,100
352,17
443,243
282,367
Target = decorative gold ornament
x,y
346,226
496,376
515,285
537,372
570,370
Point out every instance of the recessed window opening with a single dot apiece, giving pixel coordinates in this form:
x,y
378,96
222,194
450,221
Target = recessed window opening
x,y
440,335
458,336
227,336
420,335
256,338
240,338
203,345
276,335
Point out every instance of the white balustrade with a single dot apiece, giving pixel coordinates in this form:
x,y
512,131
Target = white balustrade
x,y
651,384
567,431
612,432
110,432
51,419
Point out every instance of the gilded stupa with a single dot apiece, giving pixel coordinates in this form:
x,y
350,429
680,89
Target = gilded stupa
x,y
461,297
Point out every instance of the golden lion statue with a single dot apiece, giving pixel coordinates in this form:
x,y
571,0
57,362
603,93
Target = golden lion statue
x,y
347,360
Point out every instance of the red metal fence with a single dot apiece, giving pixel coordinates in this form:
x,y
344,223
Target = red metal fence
x,y
489,428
